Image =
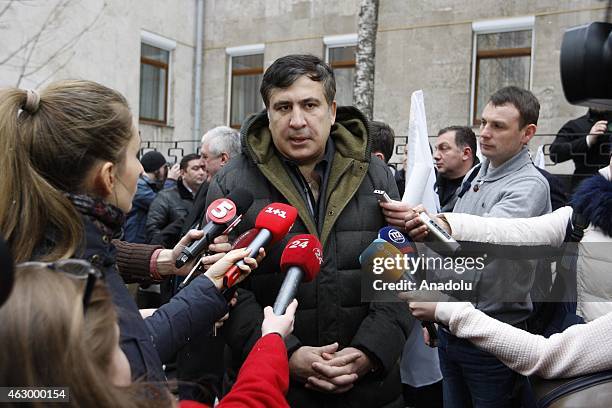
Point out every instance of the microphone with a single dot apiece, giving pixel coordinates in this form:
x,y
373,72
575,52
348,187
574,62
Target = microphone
x,y
272,224
222,215
381,249
445,243
245,238
301,261
397,238
407,247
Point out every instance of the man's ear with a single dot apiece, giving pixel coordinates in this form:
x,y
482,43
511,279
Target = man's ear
x,y
467,153
379,155
530,131
224,158
332,110
103,179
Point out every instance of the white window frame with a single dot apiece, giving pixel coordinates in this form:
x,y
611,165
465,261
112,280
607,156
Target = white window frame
x,y
166,44
240,51
336,41
498,26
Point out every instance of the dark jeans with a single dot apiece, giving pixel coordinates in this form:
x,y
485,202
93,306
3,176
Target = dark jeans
x,y
428,396
474,378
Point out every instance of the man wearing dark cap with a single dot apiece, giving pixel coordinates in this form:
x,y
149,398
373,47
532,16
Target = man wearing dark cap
x,y
155,177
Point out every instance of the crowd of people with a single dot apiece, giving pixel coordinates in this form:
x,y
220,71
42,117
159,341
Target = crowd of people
x,y
83,217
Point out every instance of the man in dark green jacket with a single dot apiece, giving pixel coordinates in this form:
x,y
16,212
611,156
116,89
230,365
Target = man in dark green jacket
x,y
302,151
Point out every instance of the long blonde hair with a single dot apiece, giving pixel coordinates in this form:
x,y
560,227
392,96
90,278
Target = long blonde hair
x,y
48,148
47,341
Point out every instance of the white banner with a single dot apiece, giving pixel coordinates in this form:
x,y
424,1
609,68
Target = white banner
x,y
420,174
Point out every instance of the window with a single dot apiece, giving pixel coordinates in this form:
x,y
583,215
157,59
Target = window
x,y
502,57
340,56
246,67
154,73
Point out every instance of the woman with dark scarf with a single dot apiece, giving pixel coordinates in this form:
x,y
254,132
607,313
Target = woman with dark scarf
x,y
69,166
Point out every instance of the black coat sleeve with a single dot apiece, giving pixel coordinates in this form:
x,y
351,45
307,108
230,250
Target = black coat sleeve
x,y
570,140
158,218
384,330
190,312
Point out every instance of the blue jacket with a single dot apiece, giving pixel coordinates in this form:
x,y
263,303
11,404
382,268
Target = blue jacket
x,y
148,343
135,224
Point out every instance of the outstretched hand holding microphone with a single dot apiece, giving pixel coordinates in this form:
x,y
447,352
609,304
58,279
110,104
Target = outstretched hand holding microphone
x,y
301,261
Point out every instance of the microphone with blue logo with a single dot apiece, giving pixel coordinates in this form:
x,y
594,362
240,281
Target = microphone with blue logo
x,y
406,246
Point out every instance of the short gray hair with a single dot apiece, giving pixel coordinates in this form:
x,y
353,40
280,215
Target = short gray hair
x,y
222,139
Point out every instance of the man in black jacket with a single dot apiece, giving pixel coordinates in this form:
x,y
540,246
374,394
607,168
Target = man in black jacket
x,y
172,205
455,155
585,140
305,152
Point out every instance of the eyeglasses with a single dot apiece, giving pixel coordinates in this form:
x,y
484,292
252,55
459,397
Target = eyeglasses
x,y
73,268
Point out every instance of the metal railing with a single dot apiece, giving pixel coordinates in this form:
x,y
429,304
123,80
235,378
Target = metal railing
x,y
175,150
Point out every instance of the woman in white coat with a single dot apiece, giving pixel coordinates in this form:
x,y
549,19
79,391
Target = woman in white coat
x,y
580,349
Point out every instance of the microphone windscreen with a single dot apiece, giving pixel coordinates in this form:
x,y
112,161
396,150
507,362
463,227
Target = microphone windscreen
x,y
374,258
242,198
399,240
305,252
278,218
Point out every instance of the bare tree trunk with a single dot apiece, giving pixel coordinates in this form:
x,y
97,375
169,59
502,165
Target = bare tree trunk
x,y
363,95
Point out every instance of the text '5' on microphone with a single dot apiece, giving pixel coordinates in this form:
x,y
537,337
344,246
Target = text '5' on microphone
x,y
222,215
272,223
301,261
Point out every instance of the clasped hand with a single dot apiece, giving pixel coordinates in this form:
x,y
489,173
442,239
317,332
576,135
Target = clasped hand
x,y
328,369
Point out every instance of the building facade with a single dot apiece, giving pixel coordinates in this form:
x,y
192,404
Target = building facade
x,y
457,52
145,49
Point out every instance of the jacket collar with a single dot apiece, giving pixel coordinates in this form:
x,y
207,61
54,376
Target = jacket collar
x,y
183,190
350,133
515,163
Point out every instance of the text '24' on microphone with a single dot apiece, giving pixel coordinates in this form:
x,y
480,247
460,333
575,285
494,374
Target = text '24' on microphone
x,y
301,262
223,214
407,247
272,224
